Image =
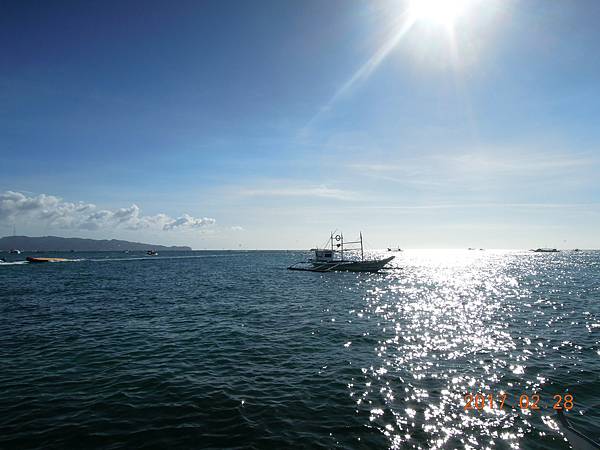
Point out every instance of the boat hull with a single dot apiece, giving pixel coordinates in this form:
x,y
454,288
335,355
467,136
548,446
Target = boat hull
x,y
43,260
345,266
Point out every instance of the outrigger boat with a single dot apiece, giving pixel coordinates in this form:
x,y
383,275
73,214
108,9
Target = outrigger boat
x,y
325,259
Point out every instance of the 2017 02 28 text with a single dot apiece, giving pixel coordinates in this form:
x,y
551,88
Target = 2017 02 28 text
x,y
481,401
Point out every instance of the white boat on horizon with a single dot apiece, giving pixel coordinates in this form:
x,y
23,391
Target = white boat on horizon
x,y
327,260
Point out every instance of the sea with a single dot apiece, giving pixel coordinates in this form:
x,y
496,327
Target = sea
x,y
230,350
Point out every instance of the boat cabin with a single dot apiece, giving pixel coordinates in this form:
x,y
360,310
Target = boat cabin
x,y
323,254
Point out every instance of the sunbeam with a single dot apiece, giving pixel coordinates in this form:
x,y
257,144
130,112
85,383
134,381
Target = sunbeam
x,y
438,13
402,26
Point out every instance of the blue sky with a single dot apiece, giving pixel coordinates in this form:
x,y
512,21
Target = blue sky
x,y
268,124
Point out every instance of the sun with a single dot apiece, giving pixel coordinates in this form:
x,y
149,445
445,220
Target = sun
x,y
442,12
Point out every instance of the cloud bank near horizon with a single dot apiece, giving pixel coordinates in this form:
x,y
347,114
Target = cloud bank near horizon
x,y
54,211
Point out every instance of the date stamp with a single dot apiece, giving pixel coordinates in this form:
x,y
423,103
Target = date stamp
x,y
480,401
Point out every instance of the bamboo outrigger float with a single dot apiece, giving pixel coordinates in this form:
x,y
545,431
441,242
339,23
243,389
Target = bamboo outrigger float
x,y
325,259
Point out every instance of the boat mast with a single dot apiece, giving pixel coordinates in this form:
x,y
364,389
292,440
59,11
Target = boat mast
x,y
362,255
342,246
331,239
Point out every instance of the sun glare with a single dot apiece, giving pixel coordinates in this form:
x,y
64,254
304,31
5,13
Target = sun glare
x,y
444,12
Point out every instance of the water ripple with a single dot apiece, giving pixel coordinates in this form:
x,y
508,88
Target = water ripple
x,y
230,350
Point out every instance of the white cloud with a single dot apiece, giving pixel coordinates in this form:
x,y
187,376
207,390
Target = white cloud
x,y
187,221
53,211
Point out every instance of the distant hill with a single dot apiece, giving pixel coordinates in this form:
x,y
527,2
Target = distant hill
x,y
60,244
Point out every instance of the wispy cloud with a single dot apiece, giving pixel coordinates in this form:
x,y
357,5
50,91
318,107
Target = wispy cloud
x,y
498,205
299,191
54,211
484,167
508,160
516,162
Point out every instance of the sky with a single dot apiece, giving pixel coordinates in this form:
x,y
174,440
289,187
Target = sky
x,y
269,124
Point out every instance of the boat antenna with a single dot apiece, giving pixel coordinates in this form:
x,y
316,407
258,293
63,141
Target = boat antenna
x,y
362,254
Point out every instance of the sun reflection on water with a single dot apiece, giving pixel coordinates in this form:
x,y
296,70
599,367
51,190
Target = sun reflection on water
x,y
452,323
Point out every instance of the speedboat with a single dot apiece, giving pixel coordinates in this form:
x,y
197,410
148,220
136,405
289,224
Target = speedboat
x,y
14,251
333,260
31,259
152,253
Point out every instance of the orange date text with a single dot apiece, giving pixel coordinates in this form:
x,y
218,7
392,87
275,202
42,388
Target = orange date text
x,y
481,401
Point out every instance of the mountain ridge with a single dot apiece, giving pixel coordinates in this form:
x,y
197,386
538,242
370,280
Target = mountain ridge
x,y
55,243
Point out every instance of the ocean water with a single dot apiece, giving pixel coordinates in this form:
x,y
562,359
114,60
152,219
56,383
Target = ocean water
x,y
231,350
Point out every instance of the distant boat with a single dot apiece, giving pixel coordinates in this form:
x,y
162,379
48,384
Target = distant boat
x,y
394,249
31,259
545,250
325,259
152,253
14,251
